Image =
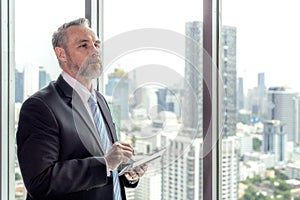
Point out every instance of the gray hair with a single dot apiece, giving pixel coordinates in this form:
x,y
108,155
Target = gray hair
x,y
59,37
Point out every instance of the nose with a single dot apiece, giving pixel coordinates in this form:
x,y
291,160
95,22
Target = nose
x,y
96,51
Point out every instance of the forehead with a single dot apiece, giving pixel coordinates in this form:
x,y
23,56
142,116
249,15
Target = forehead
x,y
79,33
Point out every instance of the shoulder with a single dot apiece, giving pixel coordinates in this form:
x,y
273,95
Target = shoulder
x,y
42,95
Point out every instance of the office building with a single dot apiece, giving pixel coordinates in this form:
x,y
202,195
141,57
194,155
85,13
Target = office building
x,y
230,168
117,88
262,94
281,108
19,86
292,170
257,98
192,119
229,80
296,117
193,88
240,94
31,78
44,77
193,85
275,140
149,186
182,168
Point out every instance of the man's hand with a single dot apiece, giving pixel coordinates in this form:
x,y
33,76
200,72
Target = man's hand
x,y
120,153
135,173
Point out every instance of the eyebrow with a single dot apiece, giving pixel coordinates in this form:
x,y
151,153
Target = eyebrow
x,y
86,40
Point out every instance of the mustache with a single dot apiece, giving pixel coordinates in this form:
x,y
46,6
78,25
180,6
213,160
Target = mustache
x,y
93,60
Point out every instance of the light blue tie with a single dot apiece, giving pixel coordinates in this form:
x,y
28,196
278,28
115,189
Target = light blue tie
x,y
105,142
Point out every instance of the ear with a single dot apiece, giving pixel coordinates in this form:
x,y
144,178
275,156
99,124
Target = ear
x,y
61,54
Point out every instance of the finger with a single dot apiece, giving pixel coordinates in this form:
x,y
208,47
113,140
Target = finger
x,y
131,176
125,160
139,171
144,167
127,154
125,146
133,173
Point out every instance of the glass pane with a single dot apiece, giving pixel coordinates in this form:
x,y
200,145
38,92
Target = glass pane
x,y
36,63
153,81
260,155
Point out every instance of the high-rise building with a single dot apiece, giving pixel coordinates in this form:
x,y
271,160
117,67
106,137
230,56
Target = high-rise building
x,y
230,168
261,80
275,140
240,94
193,88
19,86
296,116
258,98
150,185
44,77
193,85
31,78
229,80
182,168
117,88
183,178
162,100
281,108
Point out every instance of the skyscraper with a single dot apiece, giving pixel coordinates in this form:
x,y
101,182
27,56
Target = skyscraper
x,y
193,88
229,80
182,169
117,87
19,85
275,140
261,95
240,94
230,168
192,102
281,108
44,77
182,179
296,116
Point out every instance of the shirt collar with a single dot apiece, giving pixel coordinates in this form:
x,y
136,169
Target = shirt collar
x,y
83,92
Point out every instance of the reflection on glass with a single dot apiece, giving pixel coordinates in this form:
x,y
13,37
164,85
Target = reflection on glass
x,y
153,78
36,64
260,155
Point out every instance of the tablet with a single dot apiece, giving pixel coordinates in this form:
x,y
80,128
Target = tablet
x,y
145,159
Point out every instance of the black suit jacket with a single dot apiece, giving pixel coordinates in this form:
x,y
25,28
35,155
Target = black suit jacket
x,y
59,151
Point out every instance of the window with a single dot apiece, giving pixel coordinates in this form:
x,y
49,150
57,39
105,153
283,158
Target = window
x,y
36,63
261,48
164,37
154,50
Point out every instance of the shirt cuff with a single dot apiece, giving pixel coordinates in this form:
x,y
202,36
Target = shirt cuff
x,y
134,182
108,172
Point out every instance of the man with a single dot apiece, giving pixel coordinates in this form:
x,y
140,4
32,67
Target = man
x,y
67,144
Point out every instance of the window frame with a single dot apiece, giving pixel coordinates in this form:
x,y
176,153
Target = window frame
x,y
7,119
94,12
212,178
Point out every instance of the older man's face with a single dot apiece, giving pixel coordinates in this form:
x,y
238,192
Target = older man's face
x,y
83,52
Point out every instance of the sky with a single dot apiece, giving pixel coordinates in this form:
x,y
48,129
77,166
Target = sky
x,y
267,33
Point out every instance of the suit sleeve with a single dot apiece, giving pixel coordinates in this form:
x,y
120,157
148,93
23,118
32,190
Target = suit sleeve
x,y
38,141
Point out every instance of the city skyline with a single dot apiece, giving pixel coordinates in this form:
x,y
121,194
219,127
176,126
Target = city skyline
x,y
251,57
243,156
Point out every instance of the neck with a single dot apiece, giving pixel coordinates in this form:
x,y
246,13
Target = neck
x,y
85,82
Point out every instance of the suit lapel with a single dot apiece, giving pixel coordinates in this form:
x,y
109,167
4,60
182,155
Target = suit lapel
x,y
83,123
